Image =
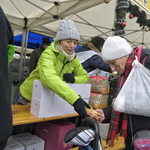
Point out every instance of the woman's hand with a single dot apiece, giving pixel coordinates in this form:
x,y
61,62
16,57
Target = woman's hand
x,y
68,77
112,104
100,118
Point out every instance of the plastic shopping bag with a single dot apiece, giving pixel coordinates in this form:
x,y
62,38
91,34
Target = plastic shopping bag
x,y
134,97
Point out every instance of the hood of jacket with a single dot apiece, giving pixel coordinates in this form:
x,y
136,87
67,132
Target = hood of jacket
x,y
86,47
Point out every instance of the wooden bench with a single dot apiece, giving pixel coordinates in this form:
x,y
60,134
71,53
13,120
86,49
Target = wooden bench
x,y
22,115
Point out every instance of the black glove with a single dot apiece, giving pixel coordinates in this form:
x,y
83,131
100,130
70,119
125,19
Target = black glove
x,y
79,107
68,77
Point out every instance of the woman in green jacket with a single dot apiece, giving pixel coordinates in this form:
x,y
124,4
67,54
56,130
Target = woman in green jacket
x,y
57,64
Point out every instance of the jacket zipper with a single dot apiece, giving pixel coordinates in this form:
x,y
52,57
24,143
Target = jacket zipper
x,y
63,66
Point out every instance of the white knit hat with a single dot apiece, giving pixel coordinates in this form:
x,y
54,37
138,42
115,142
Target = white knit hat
x,y
115,47
67,30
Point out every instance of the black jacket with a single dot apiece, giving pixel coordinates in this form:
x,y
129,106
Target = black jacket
x,y
138,122
93,62
6,37
35,55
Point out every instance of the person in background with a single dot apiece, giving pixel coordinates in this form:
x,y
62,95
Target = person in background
x,y
119,55
89,56
6,38
35,55
57,65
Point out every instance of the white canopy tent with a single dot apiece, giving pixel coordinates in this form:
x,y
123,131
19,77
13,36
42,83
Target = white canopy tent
x,y
99,21
39,12
91,17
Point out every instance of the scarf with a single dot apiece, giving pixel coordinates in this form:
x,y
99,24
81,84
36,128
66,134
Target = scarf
x,y
70,57
119,124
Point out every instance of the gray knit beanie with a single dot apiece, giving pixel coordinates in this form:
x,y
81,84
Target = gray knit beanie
x,y
115,47
67,30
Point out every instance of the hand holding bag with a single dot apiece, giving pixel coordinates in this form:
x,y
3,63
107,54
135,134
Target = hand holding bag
x,y
134,97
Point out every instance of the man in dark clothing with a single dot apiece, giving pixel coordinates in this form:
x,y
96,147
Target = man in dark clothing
x,y
6,37
35,55
89,56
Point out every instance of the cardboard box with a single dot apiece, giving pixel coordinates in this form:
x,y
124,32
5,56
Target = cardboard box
x,y
32,142
14,144
46,103
53,133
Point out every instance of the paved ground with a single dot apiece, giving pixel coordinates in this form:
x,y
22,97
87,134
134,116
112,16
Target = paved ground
x,y
103,130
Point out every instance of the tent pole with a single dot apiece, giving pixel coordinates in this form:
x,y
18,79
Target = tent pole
x,y
26,41
22,51
70,7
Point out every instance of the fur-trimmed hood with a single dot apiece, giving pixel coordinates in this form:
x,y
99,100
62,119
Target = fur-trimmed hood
x,y
88,46
91,46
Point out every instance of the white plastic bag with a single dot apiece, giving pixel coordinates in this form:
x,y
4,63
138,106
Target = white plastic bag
x,y
134,97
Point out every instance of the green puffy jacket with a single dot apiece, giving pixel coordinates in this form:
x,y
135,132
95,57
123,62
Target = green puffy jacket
x,y
50,69
10,51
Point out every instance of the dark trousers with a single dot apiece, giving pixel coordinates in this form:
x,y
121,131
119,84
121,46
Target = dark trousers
x,y
3,145
128,142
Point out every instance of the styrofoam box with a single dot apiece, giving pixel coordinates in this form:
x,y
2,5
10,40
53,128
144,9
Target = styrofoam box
x,y
14,144
32,143
46,103
20,135
18,146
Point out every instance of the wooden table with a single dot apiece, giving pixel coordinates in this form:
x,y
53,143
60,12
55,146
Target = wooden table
x,y
22,115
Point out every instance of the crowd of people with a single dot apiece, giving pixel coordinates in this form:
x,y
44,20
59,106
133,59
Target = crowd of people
x,y
56,62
